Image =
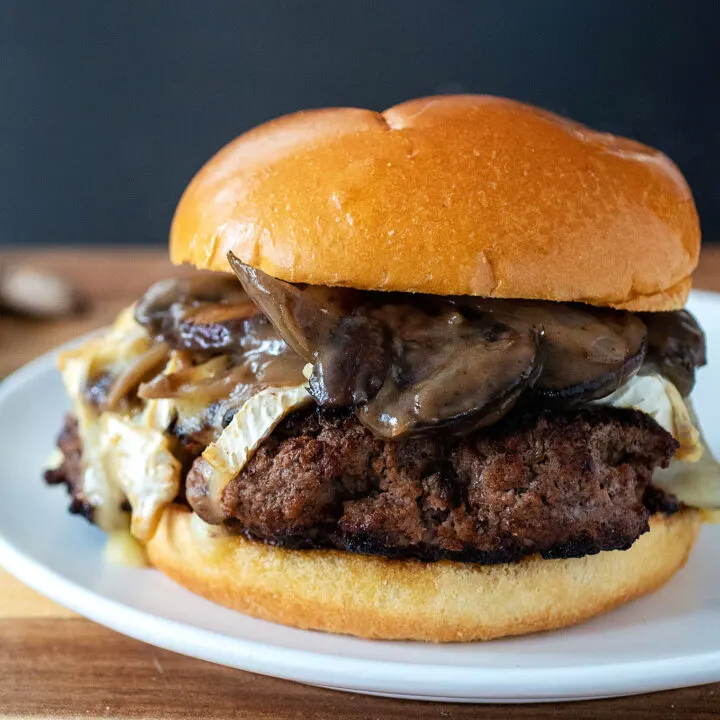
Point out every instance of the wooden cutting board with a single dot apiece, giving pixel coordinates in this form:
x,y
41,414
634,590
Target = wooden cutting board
x,y
55,664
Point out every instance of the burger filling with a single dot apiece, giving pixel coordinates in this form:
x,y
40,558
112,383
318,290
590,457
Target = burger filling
x,y
389,423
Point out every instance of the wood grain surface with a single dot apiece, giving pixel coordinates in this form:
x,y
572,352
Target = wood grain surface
x,y
54,664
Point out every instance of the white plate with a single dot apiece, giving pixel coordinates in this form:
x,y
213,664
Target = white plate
x,y
670,639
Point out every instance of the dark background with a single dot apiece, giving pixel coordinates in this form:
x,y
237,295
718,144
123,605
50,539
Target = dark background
x,y
108,108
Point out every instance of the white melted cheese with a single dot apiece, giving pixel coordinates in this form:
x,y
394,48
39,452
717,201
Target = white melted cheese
x,y
124,457
105,497
253,422
659,398
138,460
123,549
129,457
109,351
696,484
693,476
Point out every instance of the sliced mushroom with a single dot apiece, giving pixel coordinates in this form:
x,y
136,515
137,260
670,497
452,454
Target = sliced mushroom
x,y
408,368
676,345
351,366
587,352
351,354
164,294
451,372
304,317
202,313
211,326
412,363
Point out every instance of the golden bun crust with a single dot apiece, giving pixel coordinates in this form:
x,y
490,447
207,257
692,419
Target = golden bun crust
x,y
448,195
409,600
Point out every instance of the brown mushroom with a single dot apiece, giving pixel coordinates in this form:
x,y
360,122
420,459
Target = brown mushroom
x,y
350,353
452,371
202,313
587,352
407,367
676,346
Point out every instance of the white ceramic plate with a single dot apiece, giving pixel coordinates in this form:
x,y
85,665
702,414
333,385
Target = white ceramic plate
x,y
670,639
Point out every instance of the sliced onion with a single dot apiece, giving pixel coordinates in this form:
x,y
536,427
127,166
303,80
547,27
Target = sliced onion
x,y
142,367
203,384
179,383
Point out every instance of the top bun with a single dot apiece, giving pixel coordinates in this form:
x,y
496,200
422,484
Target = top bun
x,y
461,194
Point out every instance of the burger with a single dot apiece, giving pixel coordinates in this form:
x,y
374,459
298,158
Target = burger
x,y
428,381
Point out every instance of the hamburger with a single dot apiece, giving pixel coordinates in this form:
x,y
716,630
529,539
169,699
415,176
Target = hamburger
x,y
428,381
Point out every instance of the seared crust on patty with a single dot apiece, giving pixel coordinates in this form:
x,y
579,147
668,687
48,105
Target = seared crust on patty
x,y
559,484
70,473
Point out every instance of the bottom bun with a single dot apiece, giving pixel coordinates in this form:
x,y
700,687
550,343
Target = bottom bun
x,y
445,601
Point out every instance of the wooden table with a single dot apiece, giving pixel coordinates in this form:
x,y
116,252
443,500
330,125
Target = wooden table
x,y
55,664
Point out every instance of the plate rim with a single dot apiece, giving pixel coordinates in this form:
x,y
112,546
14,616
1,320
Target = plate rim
x,y
400,679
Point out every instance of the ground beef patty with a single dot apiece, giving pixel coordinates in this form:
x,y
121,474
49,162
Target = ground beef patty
x,y
70,473
560,484
563,484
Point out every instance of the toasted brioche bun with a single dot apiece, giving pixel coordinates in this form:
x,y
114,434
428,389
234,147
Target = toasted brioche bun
x,y
447,195
410,600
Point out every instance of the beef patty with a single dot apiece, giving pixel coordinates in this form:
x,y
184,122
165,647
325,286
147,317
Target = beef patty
x,y
70,472
560,484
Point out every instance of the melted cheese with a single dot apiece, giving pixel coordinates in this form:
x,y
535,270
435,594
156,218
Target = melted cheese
x,y
138,460
122,548
101,493
124,458
128,457
693,476
659,398
108,352
253,422
696,483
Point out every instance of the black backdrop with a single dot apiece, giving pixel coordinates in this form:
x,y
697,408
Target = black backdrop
x,y
108,108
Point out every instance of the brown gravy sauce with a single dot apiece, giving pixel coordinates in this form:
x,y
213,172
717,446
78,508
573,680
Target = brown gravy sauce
x,y
407,363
